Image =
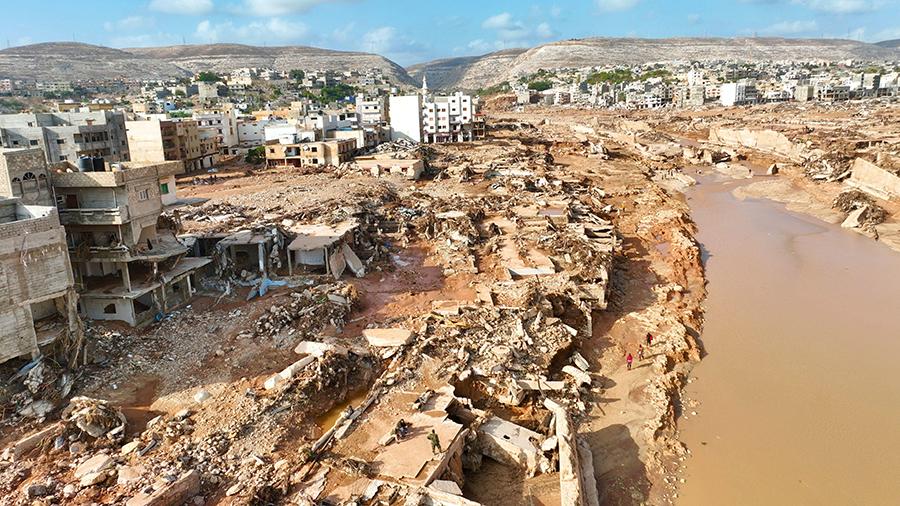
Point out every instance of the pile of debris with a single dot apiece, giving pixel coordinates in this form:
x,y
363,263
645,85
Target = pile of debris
x,y
862,211
308,312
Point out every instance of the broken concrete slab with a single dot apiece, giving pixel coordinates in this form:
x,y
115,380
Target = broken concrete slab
x,y
353,262
32,441
288,372
93,465
855,218
178,492
509,443
581,378
318,349
387,337
447,486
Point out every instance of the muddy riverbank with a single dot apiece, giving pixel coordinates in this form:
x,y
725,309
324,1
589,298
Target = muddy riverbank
x,y
795,402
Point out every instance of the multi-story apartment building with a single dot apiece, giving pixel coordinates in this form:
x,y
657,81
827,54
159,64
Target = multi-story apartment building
x,y
125,268
67,136
372,111
7,86
156,139
741,93
314,153
220,124
448,118
38,303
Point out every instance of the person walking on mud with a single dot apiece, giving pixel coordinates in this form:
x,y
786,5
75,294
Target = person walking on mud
x,y
649,339
629,359
640,352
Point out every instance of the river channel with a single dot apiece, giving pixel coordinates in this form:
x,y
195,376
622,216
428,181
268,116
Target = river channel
x,y
798,395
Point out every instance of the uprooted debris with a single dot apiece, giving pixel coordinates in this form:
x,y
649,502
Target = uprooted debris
x,y
307,313
95,417
862,210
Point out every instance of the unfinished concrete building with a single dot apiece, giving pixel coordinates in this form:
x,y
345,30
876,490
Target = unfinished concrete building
x,y
306,154
154,139
37,293
125,267
66,136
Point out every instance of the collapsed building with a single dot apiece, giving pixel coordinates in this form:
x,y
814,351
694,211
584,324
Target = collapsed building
x,y
125,266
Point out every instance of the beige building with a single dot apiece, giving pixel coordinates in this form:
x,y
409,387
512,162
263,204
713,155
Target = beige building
x,y
24,175
155,139
125,268
37,297
306,154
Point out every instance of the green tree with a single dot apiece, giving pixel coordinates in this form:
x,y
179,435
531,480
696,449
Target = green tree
x,y
208,77
540,85
336,93
256,155
297,74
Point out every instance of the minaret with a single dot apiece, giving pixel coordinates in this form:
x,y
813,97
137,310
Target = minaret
x,y
424,84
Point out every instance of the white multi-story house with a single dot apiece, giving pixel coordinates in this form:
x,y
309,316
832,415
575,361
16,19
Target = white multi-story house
x,y
220,124
448,118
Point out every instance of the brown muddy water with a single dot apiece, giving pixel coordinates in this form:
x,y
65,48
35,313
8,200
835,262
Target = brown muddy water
x,y
799,397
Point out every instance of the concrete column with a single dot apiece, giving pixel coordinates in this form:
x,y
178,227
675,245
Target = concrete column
x,y
190,291
126,277
261,248
290,256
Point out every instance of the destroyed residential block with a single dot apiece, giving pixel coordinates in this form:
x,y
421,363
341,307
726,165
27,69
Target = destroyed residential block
x,y
288,372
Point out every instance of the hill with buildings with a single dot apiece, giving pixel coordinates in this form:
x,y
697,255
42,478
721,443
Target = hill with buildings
x,y
73,61
227,57
494,68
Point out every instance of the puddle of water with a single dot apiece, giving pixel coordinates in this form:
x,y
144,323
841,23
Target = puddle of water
x,y
328,419
799,403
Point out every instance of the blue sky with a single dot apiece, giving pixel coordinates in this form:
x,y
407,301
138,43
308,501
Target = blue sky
x,y
410,31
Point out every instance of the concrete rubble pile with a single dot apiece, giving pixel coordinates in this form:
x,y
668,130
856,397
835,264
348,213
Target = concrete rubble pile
x,y
307,313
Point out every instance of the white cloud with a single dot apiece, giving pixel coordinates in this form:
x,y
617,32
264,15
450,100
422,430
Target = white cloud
x,y
790,28
253,33
544,31
280,7
500,21
693,18
186,7
615,5
129,23
386,41
512,32
886,34
841,6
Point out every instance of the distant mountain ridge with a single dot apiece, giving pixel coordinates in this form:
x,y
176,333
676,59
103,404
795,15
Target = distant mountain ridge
x,y
494,68
76,61
71,61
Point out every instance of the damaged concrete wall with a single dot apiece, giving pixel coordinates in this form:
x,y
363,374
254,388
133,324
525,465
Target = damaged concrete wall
x,y
769,141
34,267
874,180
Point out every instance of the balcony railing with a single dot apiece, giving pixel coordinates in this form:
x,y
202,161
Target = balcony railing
x,y
98,216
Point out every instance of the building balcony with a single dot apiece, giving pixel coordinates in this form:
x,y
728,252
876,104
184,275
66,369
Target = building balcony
x,y
101,216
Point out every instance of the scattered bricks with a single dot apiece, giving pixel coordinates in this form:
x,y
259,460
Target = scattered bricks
x,y
179,491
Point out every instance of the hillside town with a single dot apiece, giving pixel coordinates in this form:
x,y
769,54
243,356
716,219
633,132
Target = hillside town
x,y
310,287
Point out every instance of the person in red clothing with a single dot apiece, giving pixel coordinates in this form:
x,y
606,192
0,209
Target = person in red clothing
x,y
629,359
649,339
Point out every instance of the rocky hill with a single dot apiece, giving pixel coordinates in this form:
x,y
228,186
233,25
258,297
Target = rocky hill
x,y
895,43
226,57
493,68
73,61
76,61
469,72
